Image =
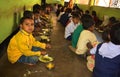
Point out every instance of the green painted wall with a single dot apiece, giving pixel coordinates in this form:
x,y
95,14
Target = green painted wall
x,y
101,11
83,7
11,11
52,1
55,1
8,18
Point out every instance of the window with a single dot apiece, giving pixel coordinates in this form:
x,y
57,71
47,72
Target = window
x,y
108,3
79,1
104,3
115,3
67,0
82,1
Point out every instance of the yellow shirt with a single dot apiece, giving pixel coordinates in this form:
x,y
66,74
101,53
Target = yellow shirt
x,y
85,37
21,44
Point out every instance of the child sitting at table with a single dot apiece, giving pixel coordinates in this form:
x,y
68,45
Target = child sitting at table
x,y
20,46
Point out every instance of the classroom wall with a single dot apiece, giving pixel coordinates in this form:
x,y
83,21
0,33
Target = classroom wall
x,y
83,7
55,1
52,1
10,13
101,11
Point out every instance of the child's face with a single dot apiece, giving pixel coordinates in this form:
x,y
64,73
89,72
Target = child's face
x,y
42,13
28,25
76,20
36,16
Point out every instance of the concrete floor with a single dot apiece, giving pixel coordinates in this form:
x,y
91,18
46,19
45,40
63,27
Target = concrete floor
x,y
67,64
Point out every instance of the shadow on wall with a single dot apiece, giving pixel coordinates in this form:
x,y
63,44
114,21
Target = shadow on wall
x,y
14,21
15,29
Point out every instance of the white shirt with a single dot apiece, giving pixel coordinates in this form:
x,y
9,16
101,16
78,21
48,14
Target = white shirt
x,y
85,37
37,20
108,50
69,29
61,13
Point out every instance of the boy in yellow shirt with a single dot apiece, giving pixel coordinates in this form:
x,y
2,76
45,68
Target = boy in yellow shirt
x,y
20,46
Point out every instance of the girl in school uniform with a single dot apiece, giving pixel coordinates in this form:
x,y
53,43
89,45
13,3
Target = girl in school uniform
x,y
91,58
107,55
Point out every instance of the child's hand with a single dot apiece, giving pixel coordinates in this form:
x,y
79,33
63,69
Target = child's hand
x,y
43,53
89,45
48,46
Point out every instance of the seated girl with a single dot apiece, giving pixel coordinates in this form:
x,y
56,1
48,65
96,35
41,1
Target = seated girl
x,y
91,58
107,55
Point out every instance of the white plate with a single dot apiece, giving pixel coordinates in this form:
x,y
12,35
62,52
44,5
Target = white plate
x,y
45,59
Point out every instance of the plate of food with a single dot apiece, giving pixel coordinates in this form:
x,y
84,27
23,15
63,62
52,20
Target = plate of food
x,y
45,30
44,37
45,59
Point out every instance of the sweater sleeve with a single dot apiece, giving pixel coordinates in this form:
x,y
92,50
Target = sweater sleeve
x,y
81,45
85,37
38,44
25,49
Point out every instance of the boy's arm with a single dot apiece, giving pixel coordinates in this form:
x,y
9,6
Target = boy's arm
x,y
83,41
38,44
89,45
81,45
25,50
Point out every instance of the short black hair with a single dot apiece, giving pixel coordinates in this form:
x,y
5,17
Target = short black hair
x,y
87,12
23,19
115,33
86,17
94,13
36,12
75,15
105,35
68,10
62,9
88,23
36,7
112,20
27,13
